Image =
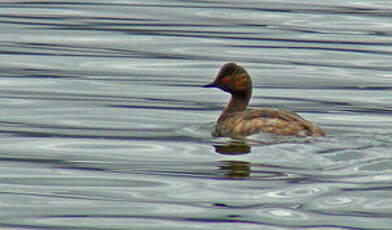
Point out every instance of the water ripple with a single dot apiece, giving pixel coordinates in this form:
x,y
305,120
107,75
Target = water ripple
x,y
104,124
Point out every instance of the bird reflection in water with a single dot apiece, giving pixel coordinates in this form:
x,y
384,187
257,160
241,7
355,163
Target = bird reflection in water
x,y
243,169
235,169
232,148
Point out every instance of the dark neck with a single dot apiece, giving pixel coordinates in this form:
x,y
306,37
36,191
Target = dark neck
x,y
238,103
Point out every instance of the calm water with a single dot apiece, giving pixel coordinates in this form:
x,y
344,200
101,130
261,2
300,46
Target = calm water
x,y
104,124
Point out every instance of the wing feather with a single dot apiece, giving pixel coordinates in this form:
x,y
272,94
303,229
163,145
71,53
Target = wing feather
x,y
277,121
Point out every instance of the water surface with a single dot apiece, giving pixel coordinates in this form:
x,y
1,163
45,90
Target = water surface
x,y
104,124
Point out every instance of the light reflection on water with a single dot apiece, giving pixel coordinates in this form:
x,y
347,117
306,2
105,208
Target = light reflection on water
x,y
104,124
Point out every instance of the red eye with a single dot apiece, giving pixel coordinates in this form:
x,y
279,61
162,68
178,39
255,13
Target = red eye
x,y
224,80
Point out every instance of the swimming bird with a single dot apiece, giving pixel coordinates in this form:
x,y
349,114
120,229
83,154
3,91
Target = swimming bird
x,y
236,121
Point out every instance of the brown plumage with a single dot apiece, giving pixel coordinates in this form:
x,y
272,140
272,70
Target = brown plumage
x,y
236,121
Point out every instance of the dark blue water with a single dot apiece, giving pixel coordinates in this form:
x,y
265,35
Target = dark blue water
x,y
104,125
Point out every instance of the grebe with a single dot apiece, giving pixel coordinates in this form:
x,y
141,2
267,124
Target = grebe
x,y
237,121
